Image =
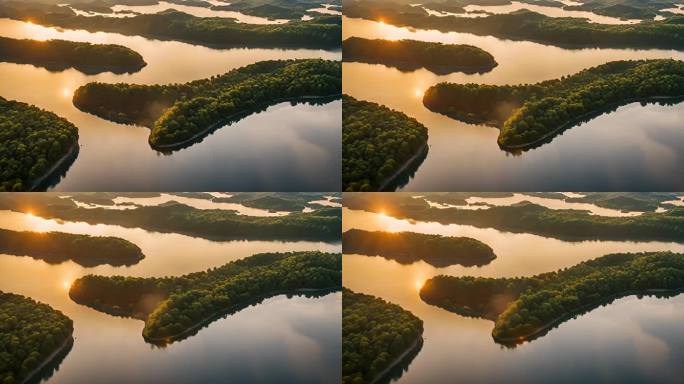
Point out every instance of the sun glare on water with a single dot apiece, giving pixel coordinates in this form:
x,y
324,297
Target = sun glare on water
x,y
66,284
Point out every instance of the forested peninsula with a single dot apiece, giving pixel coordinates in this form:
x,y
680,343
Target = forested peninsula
x,y
174,308
409,55
410,247
58,247
34,145
32,335
376,337
525,217
524,308
529,115
324,32
323,224
181,114
530,26
58,55
378,145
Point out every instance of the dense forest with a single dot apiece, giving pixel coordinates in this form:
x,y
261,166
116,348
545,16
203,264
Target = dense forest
x,y
33,141
321,32
526,307
179,113
410,247
172,307
58,247
30,333
529,113
528,25
322,224
377,142
60,55
410,55
375,334
525,217
624,9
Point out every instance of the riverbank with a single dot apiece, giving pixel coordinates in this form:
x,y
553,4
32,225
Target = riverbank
x,y
63,348
412,161
542,330
416,345
569,124
162,341
203,133
61,165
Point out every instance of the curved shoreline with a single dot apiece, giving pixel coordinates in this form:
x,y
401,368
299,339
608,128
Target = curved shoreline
x,y
216,315
578,119
417,343
61,163
580,310
203,133
66,344
389,180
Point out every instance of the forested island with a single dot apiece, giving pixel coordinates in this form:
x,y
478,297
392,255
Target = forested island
x,y
529,115
323,224
32,335
323,32
524,308
59,55
378,145
376,337
174,308
35,144
181,114
409,55
525,217
410,247
58,247
531,26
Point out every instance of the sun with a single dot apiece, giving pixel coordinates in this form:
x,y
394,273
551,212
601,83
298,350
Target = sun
x,y
418,92
66,92
66,284
418,284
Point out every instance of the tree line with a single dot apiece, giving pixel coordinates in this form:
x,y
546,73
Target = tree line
x,y
29,333
171,306
374,334
528,112
376,143
33,140
413,54
178,112
410,247
58,247
61,54
524,307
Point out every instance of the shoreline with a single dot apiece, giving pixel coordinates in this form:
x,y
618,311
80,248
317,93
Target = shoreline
x,y
66,344
417,343
207,320
203,133
582,309
69,156
574,121
421,151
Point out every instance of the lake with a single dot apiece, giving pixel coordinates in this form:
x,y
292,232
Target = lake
x,y
630,340
244,155
633,148
289,340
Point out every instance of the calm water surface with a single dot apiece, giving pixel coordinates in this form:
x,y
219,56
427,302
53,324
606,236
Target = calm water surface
x,y
242,156
291,340
635,148
630,340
